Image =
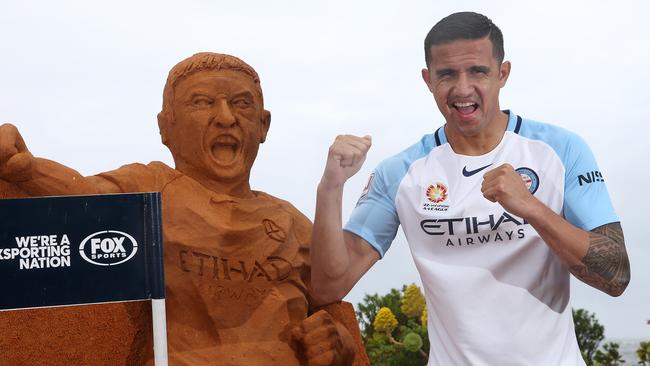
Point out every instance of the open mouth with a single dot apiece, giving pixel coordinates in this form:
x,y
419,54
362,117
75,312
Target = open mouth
x,y
465,108
224,149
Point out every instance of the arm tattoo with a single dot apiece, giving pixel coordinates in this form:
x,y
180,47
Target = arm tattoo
x,y
606,265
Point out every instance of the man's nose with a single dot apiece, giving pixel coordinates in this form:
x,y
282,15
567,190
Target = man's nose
x,y
463,85
222,114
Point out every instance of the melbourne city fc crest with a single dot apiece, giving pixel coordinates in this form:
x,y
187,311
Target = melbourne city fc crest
x,y
531,179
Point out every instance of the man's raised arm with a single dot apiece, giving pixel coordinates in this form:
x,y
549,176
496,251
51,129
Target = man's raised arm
x,y
598,257
42,177
339,258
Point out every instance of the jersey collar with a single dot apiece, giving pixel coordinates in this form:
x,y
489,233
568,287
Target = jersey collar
x,y
514,125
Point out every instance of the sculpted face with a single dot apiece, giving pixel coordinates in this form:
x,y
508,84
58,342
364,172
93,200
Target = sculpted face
x,y
218,124
465,79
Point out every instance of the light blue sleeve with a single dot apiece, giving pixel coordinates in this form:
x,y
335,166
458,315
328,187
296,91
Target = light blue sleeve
x,y
375,218
586,201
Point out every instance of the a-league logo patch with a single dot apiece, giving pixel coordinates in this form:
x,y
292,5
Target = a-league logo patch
x,y
531,179
437,192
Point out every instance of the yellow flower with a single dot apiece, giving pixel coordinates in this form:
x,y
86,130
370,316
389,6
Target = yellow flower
x,y
413,302
423,318
385,321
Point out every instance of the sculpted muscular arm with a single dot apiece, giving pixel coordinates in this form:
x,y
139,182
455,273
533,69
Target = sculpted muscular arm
x,y
598,258
42,177
339,258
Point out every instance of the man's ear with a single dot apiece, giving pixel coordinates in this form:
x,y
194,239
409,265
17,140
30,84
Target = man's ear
x,y
266,123
163,126
427,80
504,72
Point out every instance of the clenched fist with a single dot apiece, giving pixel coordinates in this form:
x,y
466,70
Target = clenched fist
x,y
345,158
323,341
505,186
15,159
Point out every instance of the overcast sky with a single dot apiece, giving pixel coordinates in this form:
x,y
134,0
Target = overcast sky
x,y
83,82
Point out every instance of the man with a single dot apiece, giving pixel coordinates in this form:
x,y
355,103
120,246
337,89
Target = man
x,y
497,210
236,260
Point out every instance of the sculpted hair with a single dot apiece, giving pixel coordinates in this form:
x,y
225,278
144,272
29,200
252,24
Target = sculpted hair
x,y
464,25
204,61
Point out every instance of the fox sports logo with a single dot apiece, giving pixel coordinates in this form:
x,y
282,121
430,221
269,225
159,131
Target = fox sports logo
x,y
108,248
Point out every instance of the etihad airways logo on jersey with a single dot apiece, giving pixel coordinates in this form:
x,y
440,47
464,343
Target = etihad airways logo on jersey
x,y
474,230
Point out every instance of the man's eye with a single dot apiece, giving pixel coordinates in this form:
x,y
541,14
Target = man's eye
x,y
202,101
445,75
241,103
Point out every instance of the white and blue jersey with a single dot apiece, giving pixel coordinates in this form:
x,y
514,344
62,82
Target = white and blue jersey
x,y
496,293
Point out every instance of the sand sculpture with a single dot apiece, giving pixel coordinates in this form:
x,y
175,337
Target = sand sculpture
x,y
236,260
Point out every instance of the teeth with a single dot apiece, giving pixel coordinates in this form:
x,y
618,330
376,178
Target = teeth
x,y
226,140
462,105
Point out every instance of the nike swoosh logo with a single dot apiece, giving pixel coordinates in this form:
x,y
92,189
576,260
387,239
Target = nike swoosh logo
x,y
469,173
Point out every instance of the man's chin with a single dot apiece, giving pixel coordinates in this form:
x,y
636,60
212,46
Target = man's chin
x,y
468,128
227,173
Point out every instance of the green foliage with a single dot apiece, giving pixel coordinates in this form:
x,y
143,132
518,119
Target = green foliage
x,y
589,334
412,342
611,356
398,347
643,353
408,343
369,307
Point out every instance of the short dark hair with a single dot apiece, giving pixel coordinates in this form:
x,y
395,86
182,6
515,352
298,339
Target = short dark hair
x,y
464,25
205,61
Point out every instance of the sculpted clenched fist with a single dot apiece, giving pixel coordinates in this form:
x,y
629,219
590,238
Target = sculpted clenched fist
x,y
345,158
322,341
15,159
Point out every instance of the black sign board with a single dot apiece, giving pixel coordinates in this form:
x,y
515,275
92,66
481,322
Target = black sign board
x,y
80,250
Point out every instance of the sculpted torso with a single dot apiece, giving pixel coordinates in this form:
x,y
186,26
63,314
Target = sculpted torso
x,y
236,269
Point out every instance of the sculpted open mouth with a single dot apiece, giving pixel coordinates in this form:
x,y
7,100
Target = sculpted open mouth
x,y
465,108
225,149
